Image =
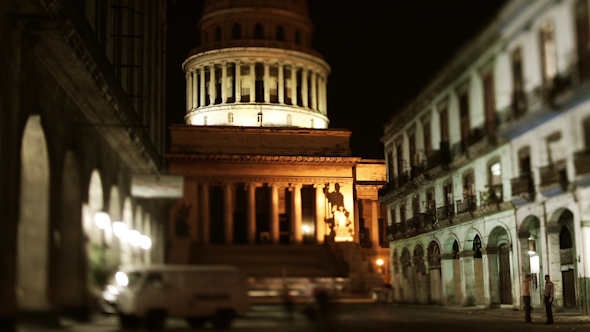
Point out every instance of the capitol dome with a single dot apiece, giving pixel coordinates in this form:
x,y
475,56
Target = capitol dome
x,y
256,67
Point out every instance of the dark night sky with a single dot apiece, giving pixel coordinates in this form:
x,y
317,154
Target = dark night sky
x,y
381,53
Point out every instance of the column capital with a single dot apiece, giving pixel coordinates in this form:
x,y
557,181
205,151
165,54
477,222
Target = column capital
x,y
223,62
254,184
447,256
319,185
238,61
296,185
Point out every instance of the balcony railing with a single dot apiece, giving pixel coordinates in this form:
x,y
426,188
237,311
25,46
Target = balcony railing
x,y
390,186
554,174
468,204
582,162
445,212
476,135
456,150
523,184
404,178
418,169
438,157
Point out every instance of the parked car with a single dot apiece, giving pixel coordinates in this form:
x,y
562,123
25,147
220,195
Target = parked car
x,y
199,293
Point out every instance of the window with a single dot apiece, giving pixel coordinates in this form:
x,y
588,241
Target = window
x,y
414,158
415,205
587,133
524,160
464,112
583,38
548,53
427,137
518,97
258,31
280,33
455,250
400,161
477,247
402,213
444,125
489,96
230,117
289,119
494,191
237,32
390,166
555,150
218,34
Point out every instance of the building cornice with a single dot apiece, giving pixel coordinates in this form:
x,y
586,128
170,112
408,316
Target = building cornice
x,y
286,181
265,159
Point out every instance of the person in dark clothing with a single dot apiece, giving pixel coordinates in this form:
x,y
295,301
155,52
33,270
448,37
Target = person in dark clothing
x,y
548,298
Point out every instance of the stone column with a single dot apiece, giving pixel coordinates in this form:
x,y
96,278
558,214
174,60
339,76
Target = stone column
x,y
189,91
204,208
468,278
212,90
314,91
320,93
251,212
202,98
228,213
238,86
274,213
320,213
491,277
325,95
293,85
224,82
448,279
375,224
281,92
296,213
252,82
304,95
266,82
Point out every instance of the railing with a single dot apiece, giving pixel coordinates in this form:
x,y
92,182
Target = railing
x,y
456,150
438,157
582,162
476,135
391,231
492,196
430,217
523,184
256,43
390,186
404,178
468,204
418,169
554,174
445,212
521,104
566,256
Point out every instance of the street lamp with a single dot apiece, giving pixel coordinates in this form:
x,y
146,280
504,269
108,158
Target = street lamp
x,y
102,220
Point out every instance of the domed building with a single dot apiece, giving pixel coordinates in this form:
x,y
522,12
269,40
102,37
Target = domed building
x,y
269,187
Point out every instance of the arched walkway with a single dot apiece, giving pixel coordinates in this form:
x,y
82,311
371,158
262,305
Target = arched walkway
x,y
532,256
421,284
500,266
561,244
33,224
406,279
434,266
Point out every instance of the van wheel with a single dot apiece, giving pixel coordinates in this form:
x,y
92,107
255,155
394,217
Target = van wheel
x,y
128,322
196,322
223,319
154,320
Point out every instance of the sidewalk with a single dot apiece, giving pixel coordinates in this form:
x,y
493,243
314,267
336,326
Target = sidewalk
x,y
507,311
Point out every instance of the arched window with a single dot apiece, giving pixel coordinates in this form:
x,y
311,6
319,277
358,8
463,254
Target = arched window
x,y
218,34
205,120
280,33
297,37
230,117
289,120
455,250
237,32
258,31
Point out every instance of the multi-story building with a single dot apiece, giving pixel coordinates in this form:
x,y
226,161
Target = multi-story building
x,y
268,186
487,175
81,112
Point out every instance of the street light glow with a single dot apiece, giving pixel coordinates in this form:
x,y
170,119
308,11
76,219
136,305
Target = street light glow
x,y
133,237
102,220
305,229
380,262
120,229
145,242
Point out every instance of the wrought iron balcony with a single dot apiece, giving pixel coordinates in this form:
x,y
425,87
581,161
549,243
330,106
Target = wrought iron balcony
x,y
476,135
582,162
389,187
523,184
468,204
418,169
554,174
445,212
404,178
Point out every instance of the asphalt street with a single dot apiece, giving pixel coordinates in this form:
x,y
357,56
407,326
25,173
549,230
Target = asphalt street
x,y
359,317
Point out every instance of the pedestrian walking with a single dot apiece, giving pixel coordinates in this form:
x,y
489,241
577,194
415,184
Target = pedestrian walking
x,y
526,297
548,298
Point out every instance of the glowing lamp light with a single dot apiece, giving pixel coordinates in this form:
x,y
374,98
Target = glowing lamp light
x,y
145,242
122,279
133,237
102,220
380,262
532,252
120,229
305,229
113,290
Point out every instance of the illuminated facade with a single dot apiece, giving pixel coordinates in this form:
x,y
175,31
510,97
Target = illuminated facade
x,y
487,175
268,187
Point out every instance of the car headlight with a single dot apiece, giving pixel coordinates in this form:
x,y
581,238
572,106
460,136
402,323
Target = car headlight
x,y
122,279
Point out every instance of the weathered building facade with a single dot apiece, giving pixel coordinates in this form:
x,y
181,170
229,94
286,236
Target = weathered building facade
x,y
486,167
268,187
81,111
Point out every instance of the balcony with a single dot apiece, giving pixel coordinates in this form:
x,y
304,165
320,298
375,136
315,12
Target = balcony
x,y
418,169
389,187
523,189
554,179
440,157
468,204
445,212
404,178
476,135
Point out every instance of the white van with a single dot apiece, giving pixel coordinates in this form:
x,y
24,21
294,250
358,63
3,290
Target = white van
x,y
198,293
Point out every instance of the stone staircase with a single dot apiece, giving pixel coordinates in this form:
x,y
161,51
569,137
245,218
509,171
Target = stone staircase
x,y
361,276
293,261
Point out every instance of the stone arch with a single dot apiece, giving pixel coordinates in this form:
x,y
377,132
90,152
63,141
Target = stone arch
x,y
73,289
470,237
532,255
434,265
420,283
449,242
561,236
33,224
499,247
406,275
475,278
